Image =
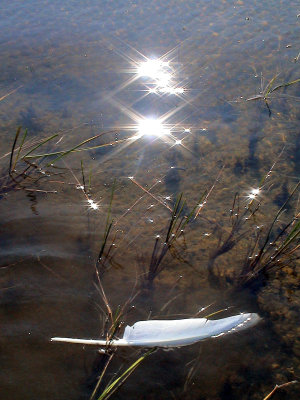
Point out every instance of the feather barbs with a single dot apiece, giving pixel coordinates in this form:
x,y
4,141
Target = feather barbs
x,y
173,333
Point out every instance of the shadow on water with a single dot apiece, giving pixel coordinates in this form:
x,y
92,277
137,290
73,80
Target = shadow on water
x,y
30,121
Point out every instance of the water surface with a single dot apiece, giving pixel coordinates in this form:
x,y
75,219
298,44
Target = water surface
x,y
72,68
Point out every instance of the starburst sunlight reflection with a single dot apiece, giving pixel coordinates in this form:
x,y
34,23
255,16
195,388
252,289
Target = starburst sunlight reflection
x,y
92,205
254,193
155,69
152,127
162,75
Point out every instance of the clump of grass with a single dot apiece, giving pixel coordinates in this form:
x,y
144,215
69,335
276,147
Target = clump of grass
x,y
229,239
275,249
269,89
22,173
269,250
175,229
27,169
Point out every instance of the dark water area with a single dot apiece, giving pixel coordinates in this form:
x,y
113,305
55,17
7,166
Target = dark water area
x,y
78,69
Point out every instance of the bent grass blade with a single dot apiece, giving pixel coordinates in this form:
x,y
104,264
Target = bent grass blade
x,y
115,385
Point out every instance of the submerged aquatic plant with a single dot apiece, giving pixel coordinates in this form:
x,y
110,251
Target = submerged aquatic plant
x,y
271,248
275,249
175,229
22,173
112,387
269,89
230,238
27,169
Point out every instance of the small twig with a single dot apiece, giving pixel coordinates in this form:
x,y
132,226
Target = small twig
x,y
9,93
279,387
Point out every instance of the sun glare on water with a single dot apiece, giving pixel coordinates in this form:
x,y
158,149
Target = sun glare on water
x,y
155,69
92,204
162,75
152,127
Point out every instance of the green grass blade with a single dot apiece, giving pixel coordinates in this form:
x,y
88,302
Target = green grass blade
x,y
106,234
279,212
268,89
55,153
13,149
110,389
293,235
39,145
20,148
63,152
285,84
295,231
174,217
76,147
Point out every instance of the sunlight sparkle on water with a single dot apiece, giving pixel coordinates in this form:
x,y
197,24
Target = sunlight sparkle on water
x,y
162,75
155,69
171,90
92,205
152,127
254,193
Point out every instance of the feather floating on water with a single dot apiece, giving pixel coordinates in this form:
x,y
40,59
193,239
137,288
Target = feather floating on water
x,y
173,333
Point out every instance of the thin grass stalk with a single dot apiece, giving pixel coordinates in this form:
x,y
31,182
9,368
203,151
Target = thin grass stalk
x,y
106,234
269,86
93,395
173,217
153,260
76,147
115,385
13,149
108,225
19,150
284,85
274,221
56,153
39,145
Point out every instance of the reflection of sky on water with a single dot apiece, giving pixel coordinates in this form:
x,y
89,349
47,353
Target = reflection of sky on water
x,y
72,57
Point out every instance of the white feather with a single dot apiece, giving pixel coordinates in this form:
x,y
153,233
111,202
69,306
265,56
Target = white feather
x,y
173,333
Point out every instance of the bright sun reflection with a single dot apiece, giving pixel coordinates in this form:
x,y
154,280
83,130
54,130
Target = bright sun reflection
x,y
254,193
92,205
152,127
154,69
162,74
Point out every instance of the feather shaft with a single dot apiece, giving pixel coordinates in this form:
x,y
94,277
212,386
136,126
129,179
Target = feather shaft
x,y
173,333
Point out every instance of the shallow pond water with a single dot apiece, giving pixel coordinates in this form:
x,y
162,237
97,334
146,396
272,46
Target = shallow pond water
x,y
180,124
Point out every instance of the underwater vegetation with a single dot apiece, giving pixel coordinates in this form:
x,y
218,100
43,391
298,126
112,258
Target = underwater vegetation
x,y
269,249
267,90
